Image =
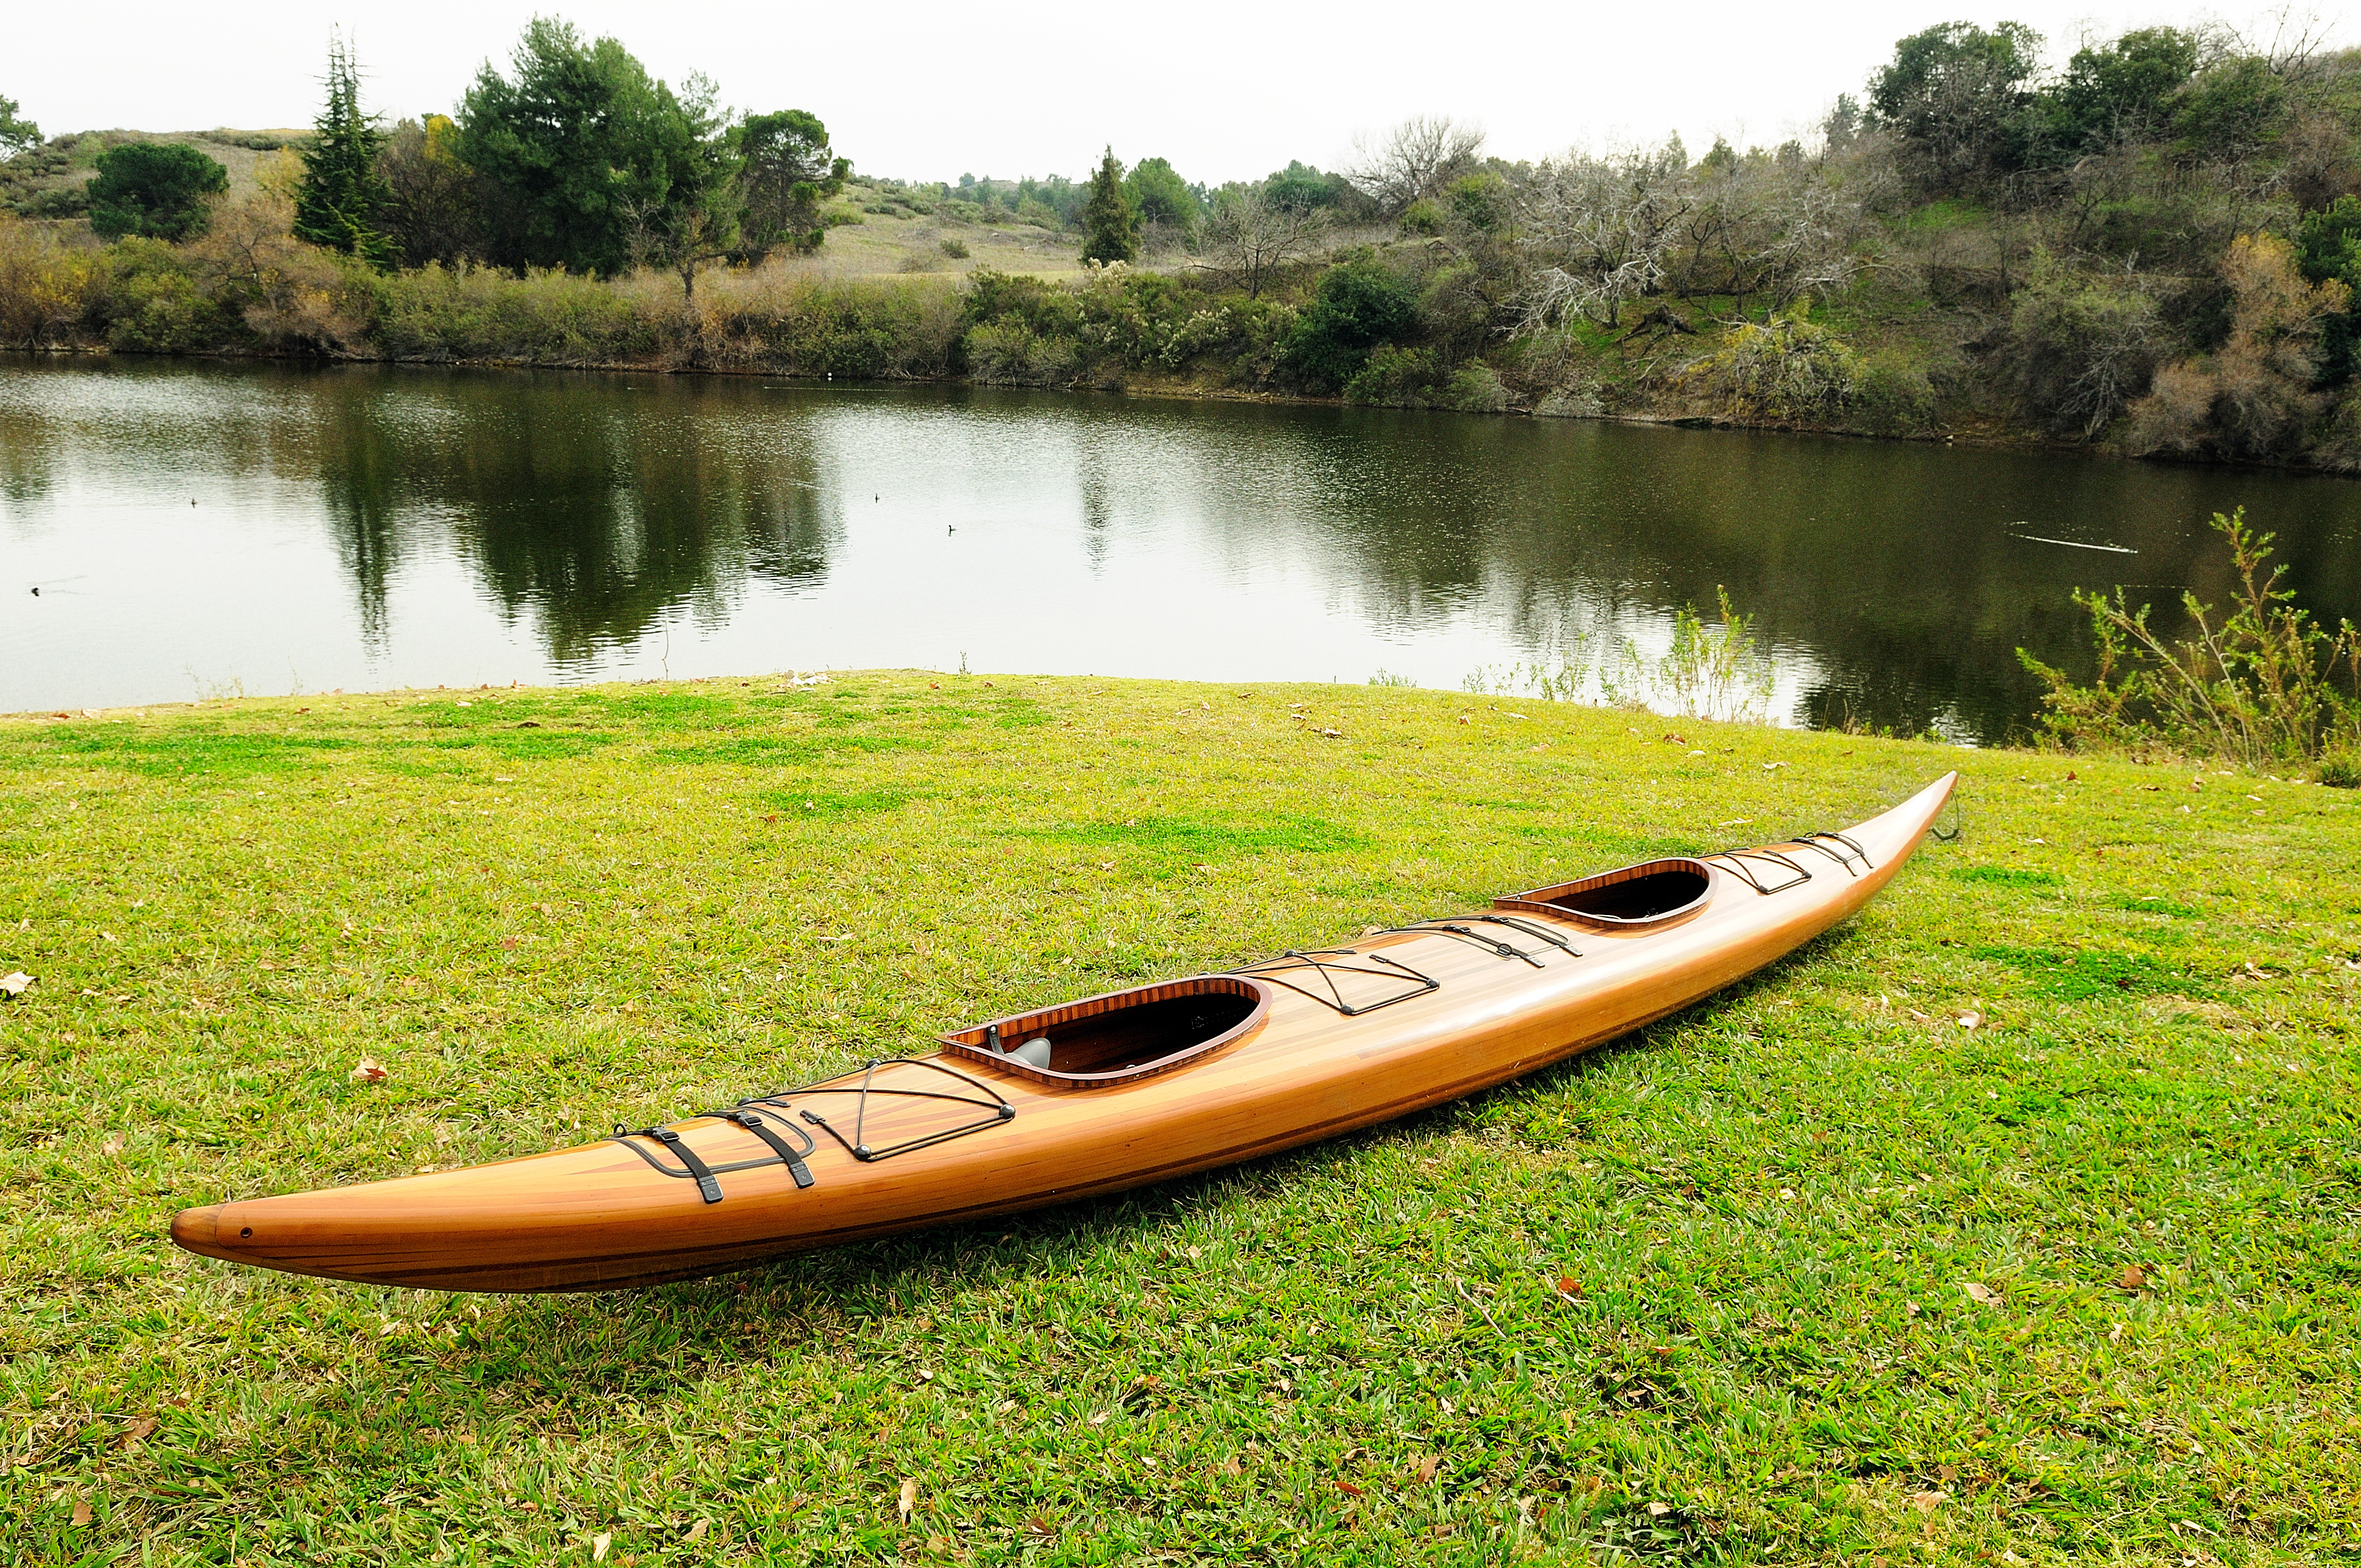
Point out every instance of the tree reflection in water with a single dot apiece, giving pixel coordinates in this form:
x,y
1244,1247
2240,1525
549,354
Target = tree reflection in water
x,y
597,516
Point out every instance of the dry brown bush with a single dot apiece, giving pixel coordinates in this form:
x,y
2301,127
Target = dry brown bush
x,y
295,298
2254,398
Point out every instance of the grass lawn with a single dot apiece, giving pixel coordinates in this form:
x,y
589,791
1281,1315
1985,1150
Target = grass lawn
x,y
1841,1278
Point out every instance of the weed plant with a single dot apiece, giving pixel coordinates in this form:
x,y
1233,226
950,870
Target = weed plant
x,y
2264,685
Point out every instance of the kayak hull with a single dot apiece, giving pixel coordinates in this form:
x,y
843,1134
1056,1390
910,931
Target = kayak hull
x,y
1314,1047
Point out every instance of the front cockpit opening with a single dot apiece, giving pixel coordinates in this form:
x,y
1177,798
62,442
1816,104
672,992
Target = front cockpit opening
x,y
1122,1035
1647,895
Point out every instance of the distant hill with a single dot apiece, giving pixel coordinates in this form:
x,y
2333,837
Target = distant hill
x,y
48,180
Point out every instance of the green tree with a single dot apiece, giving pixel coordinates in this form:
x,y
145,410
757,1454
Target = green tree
x,y
1360,305
341,202
786,168
2328,245
16,135
1955,96
154,187
1110,225
591,155
2122,92
1161,197
2232,111
436,206
1300,188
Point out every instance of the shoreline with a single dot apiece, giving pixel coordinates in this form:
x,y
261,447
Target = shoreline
x,y
1983,434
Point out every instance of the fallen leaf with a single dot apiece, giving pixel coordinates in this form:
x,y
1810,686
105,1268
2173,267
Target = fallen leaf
x,y
1349,1489
2115,1334
367,1073
1928,1502
114,1144
600,1541
138,1429
1428,1466
1982,1294
1100,1419
81,1510
1768,766
910,1483
1568,1287
1920,1016
2133,1278
15,981
697,1530
1972,1020
1658,1510
1041,1524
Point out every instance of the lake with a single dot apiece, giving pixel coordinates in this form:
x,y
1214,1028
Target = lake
x,y
196,528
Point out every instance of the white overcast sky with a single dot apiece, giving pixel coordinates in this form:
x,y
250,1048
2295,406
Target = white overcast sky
x,y
927,91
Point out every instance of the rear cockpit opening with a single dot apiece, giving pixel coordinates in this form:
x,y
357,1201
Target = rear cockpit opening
x,y
1122,1036
1649,893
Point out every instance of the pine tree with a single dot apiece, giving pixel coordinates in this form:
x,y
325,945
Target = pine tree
x,y
344,196
1110,226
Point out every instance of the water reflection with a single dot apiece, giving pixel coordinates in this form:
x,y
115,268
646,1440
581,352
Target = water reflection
x,y
368,526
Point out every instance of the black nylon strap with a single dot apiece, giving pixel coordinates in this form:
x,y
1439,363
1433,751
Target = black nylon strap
x,y
790,1157
706,1182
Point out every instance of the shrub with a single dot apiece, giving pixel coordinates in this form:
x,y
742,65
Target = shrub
x,y
465,312
154,187
1423,218
1891,398
154,305
956,249
1394,376
1359,305
2078,349
1476,389
1785,370
1013,355
46,287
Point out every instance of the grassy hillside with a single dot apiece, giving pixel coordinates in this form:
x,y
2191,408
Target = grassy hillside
x,y
49,182
1813,1271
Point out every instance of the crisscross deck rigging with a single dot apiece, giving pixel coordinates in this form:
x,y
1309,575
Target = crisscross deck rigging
x,y
995,1109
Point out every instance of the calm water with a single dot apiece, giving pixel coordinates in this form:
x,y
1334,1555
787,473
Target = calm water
x,y
199,528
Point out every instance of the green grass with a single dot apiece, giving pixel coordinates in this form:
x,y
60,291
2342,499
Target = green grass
x,y
548,912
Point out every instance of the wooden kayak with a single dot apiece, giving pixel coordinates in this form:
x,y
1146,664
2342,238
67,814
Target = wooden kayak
x,y
1098,1095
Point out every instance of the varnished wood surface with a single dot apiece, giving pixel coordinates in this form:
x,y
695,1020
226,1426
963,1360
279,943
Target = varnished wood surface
x,y
597,1216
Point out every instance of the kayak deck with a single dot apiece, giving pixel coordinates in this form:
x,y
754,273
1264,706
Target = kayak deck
x,y
1096,1095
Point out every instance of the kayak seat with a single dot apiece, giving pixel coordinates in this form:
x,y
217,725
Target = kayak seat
x,y
1122,1035
1653,893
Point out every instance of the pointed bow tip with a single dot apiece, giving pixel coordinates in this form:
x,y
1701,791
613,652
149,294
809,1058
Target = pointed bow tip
x,y
196,1230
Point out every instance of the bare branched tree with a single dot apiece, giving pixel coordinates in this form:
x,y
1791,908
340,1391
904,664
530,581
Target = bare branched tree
x,y
1417,158
1604,228
1250,237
